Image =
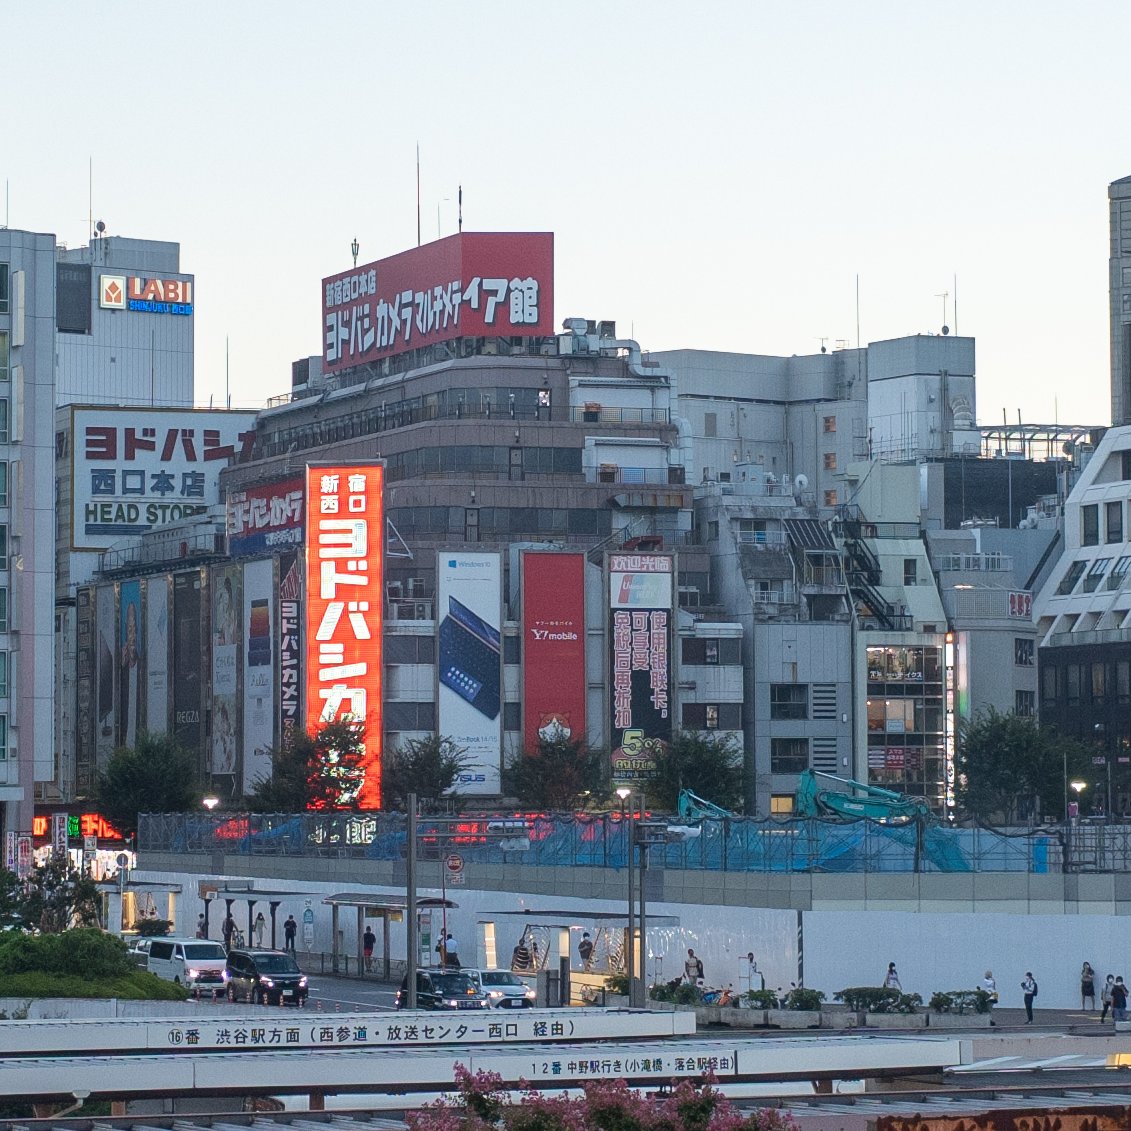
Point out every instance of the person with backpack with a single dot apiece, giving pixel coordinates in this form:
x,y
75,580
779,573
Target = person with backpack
x,y
1119,1000
585,951
693,968
1105,997
1029,989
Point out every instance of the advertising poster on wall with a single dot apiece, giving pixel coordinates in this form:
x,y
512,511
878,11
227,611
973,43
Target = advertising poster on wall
x,y
187,608
137,469
131,669
157,654
265,519
259,671
226,614
84,689
553,644
345,591
640,636
469,664
290,645
106,650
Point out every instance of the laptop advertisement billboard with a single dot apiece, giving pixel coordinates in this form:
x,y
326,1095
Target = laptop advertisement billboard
x,y
553,643
469,589
640,639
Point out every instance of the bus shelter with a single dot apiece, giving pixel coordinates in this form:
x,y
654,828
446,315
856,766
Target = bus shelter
x,y
387,908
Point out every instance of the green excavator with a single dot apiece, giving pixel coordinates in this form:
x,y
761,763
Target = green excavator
x,y
864,802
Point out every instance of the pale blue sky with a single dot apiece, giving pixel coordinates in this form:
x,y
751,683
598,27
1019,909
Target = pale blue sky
x,y
716,175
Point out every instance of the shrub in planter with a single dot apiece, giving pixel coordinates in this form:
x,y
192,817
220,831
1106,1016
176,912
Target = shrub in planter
x,y
680,994
960,1001
617,984
761,999
800,998
878,999
153,928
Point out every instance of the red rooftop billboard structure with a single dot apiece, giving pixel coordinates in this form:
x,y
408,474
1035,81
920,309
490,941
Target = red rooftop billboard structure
x,y
474,284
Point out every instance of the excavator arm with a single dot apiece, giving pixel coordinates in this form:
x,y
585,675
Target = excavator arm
x,y
862,802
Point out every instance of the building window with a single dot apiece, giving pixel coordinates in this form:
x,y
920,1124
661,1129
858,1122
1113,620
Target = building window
x,y
830,498
4,355
1123,681
3,288
3,420
3,737
830,461
1119,572
1113,513
1095,575
710,651
830,423
3,610
1090,525
712,716
1023,647
1023,704
1068,582
1072,684
710,424
781,804
910,571
3,673
712,530
1048,686
789,755
789,700
1125,464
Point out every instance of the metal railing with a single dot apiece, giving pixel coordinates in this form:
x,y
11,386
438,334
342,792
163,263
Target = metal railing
x,y
600,840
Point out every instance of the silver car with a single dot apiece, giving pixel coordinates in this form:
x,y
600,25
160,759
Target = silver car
x,y
504,990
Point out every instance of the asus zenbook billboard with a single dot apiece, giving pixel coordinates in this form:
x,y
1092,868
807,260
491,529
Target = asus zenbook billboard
x,y
345,542
469,594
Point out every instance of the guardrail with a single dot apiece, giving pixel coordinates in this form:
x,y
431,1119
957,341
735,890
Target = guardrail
x,y
600,840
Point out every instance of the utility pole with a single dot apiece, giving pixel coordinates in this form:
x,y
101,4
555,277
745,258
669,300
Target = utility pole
x,y
410,902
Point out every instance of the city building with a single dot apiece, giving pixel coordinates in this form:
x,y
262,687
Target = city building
x,y
1119,297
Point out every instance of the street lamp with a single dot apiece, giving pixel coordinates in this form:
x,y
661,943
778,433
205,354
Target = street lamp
x,y
624,793
355,247
210,803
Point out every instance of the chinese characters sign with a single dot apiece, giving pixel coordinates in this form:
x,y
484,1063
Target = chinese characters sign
x,y
475,284
1021,605
640,598
138,469
263,520
345,537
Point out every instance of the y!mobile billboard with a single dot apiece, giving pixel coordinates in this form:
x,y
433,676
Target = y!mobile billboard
x,y
640,638
474,284
345,541
469,596
553,641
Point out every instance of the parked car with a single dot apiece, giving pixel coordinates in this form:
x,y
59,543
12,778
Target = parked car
x,y
195,964
443,989
504,990
271,977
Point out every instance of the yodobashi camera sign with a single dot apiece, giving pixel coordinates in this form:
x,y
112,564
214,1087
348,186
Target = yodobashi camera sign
x,y
135,470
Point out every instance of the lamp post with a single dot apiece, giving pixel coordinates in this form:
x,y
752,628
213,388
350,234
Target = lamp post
x,y
624,793
640,986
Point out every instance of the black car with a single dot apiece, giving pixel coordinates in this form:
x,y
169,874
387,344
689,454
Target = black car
x,y
271,977
443,989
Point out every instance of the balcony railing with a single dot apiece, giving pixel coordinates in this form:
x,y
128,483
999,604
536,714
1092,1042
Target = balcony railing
x,y
976,563
763,539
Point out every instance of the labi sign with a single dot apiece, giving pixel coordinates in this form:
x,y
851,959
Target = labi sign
x,y
146,296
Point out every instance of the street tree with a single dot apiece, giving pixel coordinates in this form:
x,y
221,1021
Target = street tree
x,y
428,767
559,774
57,897
155,775
1010,768
320,769
708,764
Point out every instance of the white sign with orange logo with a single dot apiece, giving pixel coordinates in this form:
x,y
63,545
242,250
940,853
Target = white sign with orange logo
x,y
112,292
344,569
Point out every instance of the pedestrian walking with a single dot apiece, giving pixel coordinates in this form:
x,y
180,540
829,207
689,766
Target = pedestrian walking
x,y
451,951
585,951
1105,996
751,973
1119,1000
693,968
990,987
1087,985
891,979
520,956
259,927
1029,989
228,929
290,930
201,926
368,941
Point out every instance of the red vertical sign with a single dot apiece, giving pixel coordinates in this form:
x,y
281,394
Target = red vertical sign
x,y
553,635
345,543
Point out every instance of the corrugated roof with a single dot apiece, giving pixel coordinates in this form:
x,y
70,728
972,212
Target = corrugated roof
x,y
809,534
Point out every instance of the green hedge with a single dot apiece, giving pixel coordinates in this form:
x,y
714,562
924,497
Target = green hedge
x,y
878,999
136,986
86,952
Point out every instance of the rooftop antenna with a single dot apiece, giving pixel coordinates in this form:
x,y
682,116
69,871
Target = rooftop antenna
x,y
418,194
944,296
954,287
5,202
227,372
90,199
857,310
461,208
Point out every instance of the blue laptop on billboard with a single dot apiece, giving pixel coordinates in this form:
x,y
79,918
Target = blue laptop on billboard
x,y
470,656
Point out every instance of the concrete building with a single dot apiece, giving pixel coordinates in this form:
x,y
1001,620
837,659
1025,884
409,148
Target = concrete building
x,y
1119,297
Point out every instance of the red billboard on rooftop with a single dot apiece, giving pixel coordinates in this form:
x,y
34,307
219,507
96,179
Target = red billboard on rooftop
x,y
474,284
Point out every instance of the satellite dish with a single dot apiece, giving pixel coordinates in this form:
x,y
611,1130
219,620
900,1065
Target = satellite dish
x,y
945,330
801,482
100,227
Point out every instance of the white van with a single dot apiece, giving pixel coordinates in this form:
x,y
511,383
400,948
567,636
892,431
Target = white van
x,y
196,964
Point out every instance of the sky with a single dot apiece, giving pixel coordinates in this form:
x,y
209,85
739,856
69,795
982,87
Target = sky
x,y
722,176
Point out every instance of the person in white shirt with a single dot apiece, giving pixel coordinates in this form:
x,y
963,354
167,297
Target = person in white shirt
x,y
451,951
891,979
